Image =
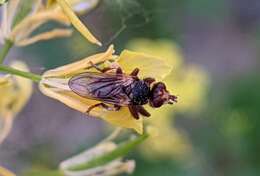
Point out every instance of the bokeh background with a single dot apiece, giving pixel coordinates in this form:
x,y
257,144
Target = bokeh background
x,y
215,134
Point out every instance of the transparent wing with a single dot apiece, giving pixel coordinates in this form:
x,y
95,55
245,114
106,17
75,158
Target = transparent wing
x,y
108,88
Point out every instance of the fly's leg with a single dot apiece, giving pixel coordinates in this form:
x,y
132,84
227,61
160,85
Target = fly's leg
x,y
133,111
135,72
119,71
104,70
103,105
117,107
136,109
92,107
143,111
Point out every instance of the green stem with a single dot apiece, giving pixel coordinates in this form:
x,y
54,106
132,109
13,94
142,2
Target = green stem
x,y
32,76
4,51
120,151
43,172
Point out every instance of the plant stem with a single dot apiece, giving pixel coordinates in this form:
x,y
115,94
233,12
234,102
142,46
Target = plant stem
x,y
4,51
43,172
32,76
120,151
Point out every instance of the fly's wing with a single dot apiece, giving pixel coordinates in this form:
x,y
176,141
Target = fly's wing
x,y
103,87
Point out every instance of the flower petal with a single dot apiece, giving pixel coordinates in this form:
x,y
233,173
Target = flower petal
x,y
15,92
4,80
149,66
170,143
50,3
190,85
55,33
123,118
5,172
77,67
164,49
24,87
32,22
70,99
83,6
6,124
76,22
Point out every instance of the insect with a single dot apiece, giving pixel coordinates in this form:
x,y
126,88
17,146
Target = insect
x,y
118,89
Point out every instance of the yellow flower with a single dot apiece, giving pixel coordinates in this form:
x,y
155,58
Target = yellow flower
x,y
19,31
54,82
15,92
189,83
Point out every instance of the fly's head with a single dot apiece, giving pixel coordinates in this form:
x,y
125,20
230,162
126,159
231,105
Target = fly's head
x,y
159,96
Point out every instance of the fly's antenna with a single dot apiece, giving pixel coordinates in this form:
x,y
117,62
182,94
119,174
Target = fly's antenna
x,y
172,99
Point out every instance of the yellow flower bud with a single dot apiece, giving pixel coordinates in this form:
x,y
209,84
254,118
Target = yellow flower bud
x,y
15,92
62,11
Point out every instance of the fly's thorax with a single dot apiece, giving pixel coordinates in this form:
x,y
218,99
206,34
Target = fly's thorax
x,y
140,93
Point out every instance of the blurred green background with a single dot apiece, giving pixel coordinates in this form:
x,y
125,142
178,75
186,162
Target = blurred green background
x,y
221,37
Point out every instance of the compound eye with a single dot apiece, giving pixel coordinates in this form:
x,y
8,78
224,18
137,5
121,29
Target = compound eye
x,y
160,89
156,103
160,86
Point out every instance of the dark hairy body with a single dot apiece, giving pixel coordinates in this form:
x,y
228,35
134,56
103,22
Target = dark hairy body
x,y
115,90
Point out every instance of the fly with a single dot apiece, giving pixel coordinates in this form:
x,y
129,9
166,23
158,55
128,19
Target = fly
x,y
116,90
